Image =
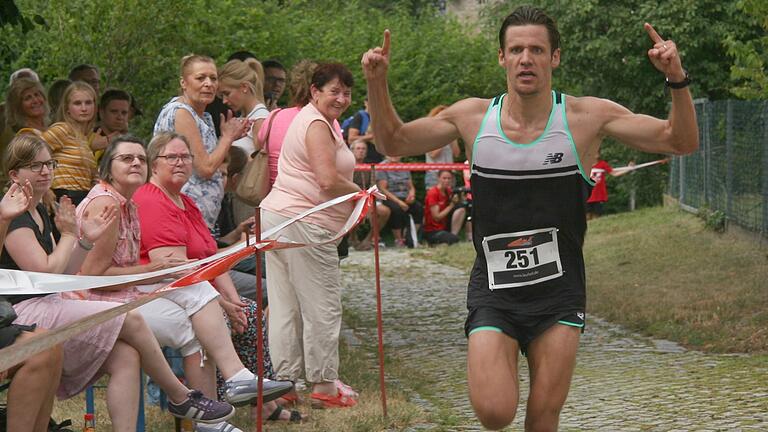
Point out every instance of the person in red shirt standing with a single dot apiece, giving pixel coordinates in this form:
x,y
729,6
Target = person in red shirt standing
x,y
443,206
599,194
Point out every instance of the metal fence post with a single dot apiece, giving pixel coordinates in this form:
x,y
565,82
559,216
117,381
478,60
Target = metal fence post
x,y
765,168
681,178
707,151
729,158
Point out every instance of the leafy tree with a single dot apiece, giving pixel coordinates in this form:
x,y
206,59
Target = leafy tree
x,y
751,56
138,44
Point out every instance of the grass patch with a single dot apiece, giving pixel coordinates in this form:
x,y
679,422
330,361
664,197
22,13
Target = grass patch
x,y
660,272
359,367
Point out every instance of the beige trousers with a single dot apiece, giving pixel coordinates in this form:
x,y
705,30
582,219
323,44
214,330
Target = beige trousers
x,y
304,303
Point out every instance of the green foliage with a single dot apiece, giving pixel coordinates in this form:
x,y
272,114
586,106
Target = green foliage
x,y
138,44
751,56
714,220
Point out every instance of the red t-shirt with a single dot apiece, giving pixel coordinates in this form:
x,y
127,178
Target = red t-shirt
x,y
600,191
164,224
435,197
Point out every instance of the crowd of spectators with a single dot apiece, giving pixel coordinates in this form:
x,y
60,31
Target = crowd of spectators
x,y
85,196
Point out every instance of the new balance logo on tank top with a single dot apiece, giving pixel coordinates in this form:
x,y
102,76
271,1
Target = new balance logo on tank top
x,y
528,218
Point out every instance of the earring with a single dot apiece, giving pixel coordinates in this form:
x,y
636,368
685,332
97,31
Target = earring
x,y
245,91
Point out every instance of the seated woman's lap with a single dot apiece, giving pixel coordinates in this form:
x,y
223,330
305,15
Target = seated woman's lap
x,y
169,316
84,353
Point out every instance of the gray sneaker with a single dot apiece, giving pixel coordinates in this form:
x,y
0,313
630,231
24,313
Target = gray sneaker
x,y
201,409
222,427
243,392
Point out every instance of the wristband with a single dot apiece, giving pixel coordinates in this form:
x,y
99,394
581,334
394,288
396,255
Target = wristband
x,y
680,84
85,244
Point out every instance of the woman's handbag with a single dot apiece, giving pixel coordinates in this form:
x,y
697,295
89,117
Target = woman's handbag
x,y
254,185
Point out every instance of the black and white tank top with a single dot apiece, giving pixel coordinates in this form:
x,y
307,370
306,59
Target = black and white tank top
x,y
528,217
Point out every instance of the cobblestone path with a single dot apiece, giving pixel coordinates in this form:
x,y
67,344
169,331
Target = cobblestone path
x,y
622,382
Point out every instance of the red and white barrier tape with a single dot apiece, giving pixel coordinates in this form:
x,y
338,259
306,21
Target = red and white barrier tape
x,y
412,166
14,282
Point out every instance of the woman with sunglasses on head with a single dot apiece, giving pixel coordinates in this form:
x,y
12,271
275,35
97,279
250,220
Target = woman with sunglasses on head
x,y
119,346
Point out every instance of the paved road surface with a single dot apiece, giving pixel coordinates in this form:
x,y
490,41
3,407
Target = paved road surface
x,y
623,381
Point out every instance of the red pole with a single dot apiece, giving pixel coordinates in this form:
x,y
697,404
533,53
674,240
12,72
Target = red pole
x,y
379,321
259,327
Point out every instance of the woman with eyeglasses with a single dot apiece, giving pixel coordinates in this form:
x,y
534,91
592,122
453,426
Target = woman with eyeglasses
x,y
172,227
186,116
118,347
34,381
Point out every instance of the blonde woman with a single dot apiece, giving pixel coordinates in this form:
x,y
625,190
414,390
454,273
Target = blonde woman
x,y
72,142
25,107
241,86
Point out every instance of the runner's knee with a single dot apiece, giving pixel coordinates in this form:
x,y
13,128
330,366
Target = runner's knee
x,y
494,415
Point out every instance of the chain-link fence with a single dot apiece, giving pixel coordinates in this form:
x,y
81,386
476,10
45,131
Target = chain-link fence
x,y
729,173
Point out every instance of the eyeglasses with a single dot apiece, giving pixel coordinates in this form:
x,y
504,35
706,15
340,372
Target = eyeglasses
x,y
38,166
129,158
173,159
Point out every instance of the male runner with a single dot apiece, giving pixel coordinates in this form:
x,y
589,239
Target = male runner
x,y
529,150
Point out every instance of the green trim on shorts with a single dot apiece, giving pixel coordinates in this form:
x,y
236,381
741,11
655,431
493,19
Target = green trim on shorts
x,y
481,328
568,323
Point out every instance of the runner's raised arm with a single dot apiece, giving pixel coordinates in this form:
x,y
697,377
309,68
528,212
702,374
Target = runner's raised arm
x,y
392,136
678,134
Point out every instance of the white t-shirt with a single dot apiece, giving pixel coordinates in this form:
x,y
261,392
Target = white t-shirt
x,y
246,143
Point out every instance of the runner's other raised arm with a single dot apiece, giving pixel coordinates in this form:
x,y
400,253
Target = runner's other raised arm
x,y
678,134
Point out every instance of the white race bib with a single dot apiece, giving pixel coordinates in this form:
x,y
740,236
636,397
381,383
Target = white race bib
x,y
522,258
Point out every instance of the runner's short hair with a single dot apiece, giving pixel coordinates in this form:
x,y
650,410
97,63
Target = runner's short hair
x,y
530,15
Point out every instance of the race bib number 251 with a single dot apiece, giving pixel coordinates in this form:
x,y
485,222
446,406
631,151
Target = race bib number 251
x,y
522,258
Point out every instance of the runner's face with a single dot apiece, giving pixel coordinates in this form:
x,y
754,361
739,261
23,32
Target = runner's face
x,y
114,116
528,59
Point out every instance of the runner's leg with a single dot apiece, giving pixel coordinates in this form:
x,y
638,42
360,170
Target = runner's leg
x,y
492,377
551,360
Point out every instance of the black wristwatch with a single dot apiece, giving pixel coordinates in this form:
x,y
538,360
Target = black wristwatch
x,y
680,84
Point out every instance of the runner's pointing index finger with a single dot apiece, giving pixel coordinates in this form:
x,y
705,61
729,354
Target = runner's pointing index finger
x,y
652,33
385,44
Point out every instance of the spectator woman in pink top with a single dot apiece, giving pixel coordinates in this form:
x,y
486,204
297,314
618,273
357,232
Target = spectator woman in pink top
x,y
300,77
315,166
